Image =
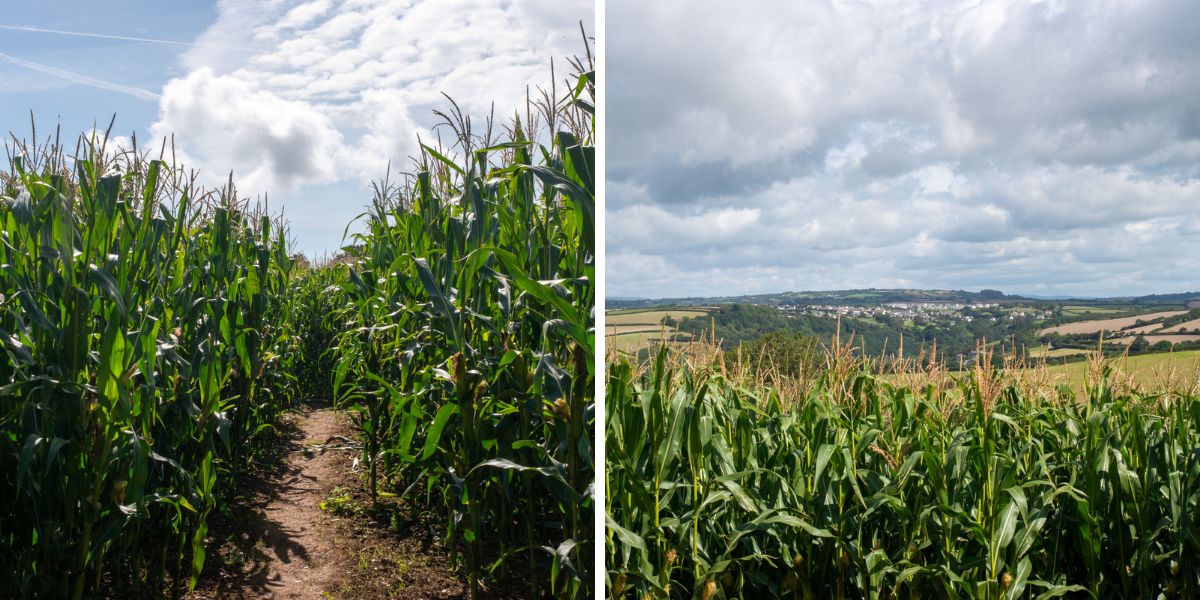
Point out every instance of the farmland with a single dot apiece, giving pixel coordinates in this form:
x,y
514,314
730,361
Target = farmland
x,y
1193,325
857,469
993,484
1045,351
632,330
1154,339
1146,372
893,323
157,336
1110,325
148,343
1149,371
1138,334
615,330
1090,311
465,350
649,317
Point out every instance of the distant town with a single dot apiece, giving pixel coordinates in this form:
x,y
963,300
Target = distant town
x,y
953,311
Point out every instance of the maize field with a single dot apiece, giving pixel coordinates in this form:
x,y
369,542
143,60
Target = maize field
x,y
859,488
467,339
154,332
145,342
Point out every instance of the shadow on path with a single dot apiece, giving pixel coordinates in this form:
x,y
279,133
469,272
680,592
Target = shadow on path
x,y
273,541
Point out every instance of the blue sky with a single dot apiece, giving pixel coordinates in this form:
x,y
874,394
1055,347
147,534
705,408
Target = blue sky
x,y
77,107
307,101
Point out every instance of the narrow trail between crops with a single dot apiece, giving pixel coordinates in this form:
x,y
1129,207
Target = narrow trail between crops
x,y
301,542
294,546
275,541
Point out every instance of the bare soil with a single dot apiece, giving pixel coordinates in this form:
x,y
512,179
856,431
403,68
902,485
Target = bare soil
x,y
276,540
1144,329
1186,326
1098,325
1154,339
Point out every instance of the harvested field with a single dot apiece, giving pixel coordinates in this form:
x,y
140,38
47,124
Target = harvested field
x,y
630,331
1185,326
1099,325
649,317
611,330
1144,329
1154,339
1057,352
632,342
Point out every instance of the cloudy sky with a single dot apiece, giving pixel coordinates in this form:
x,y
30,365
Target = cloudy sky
x,y
1046,147
306,100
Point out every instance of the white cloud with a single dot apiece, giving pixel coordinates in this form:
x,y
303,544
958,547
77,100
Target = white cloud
x,y
339,88
228,124
1038,145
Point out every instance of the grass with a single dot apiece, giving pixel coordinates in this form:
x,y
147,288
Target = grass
x,y
1146,371
1092,310
339,503
1142,372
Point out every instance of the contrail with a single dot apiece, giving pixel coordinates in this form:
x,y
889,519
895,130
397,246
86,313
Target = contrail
x,y
82,79
126,38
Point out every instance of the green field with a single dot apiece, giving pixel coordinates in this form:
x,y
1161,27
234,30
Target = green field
x,y
1147,370
984,488
155,333
1093,310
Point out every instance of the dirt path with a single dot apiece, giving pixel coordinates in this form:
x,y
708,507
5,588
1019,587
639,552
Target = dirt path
x,y
280,544
299,537
275,541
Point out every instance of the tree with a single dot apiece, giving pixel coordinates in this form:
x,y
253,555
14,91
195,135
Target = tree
x,y
780,354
